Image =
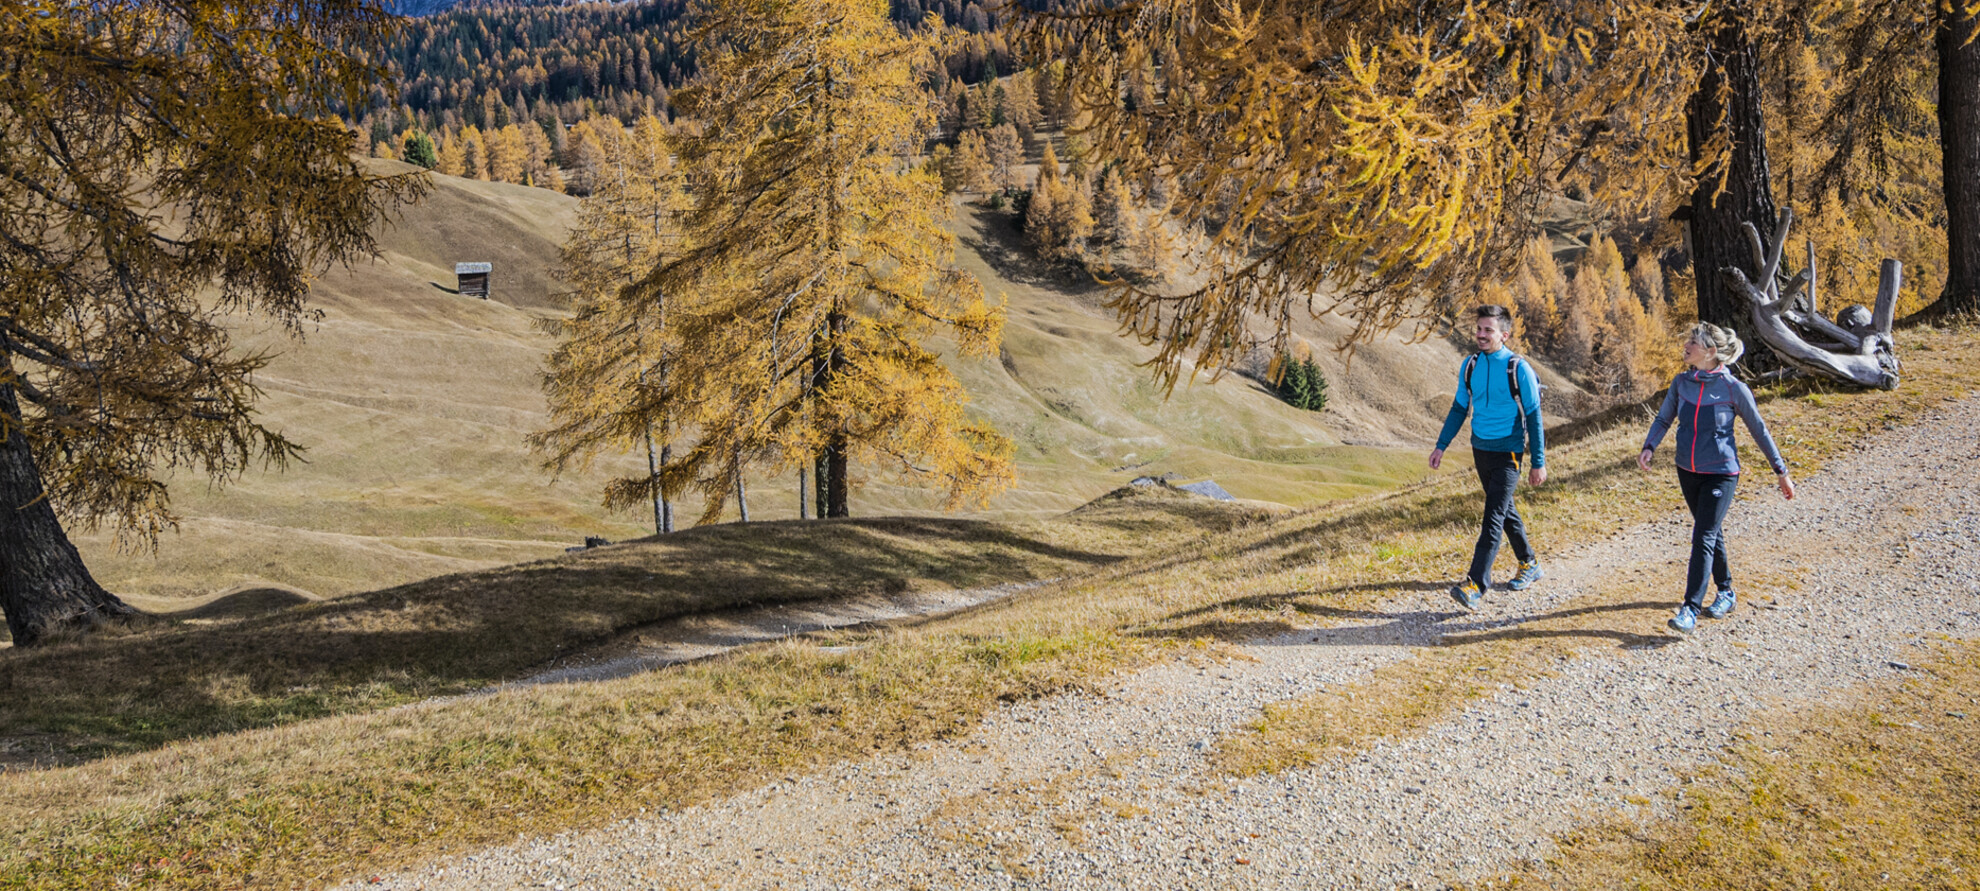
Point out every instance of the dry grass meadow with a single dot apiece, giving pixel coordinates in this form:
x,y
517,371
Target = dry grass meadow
x,y
265,770
413,402
297,717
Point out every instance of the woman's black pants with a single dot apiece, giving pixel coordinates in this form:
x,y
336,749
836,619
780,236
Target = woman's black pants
x,y
1708,495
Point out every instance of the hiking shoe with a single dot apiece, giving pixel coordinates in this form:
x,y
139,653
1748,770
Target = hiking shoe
x,y
1528,574
1685,620
1722,606
1467,595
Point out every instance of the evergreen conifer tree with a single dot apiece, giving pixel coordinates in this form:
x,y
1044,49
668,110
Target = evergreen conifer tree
x,y
418,149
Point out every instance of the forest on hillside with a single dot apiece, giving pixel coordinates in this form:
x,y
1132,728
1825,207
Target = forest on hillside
x,y
488,65
520,92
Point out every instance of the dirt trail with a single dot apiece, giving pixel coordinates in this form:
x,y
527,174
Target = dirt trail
x,y
1117,790
699,637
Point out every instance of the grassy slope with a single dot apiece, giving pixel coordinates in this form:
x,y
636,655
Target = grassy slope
x,y
414,402
296,805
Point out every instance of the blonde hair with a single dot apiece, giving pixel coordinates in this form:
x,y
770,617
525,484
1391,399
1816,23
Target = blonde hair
x,y
1723,343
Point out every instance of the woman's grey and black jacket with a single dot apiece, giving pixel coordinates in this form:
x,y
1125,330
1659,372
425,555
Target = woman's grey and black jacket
x,y
1704,403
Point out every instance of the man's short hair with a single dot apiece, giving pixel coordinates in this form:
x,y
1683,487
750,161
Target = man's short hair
x,y
1495,311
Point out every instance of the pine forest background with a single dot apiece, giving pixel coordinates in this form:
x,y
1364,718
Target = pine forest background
x,y
519,92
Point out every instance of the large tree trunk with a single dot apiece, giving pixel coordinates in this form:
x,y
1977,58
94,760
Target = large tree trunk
x,y
838,500
1727,106
834,490
44,587
1959,138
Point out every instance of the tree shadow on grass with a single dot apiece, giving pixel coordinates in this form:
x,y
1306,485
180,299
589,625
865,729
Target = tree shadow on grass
x,y
996,238
1394,628
1295,548
160,680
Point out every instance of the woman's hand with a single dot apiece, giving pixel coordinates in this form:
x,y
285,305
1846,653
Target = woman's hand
x,y
1643,460
1786,486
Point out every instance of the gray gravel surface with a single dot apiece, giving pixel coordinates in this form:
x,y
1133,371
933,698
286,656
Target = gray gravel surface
x,y
1114,790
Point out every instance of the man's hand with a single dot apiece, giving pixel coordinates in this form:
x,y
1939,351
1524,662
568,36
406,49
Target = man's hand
x,y
1643,460
1537,475
1436,459
1786,486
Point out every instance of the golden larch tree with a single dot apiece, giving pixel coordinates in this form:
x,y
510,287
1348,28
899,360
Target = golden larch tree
x,y
1381,157
818,268
161,165
607,380
1006,152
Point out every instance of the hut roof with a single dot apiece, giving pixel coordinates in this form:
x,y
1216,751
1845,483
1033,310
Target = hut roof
x,y
466,268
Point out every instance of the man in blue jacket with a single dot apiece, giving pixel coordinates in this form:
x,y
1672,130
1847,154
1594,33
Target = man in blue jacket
x,y
1502,396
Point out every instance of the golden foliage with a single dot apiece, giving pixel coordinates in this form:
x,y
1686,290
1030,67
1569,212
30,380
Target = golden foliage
x,y
161,164
968,168
818,269
1856,142
1383,159
607,380
1373,150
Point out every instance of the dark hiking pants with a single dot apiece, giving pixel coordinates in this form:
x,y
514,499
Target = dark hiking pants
x,y
1708,495
1499,473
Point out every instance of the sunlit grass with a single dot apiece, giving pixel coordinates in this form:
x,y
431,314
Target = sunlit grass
x,y
368,788
1877,792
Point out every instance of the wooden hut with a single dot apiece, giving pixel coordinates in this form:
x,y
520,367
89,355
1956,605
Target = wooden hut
x,y
472,278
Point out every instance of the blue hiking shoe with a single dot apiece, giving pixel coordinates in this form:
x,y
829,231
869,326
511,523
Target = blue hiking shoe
x,y
1723,606
1528,574
1468,594
1685,620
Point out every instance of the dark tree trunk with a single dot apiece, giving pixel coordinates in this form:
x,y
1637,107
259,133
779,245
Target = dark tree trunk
x,y
834,482
1959,137
663,509
44,586
820,470
838,502
1717,241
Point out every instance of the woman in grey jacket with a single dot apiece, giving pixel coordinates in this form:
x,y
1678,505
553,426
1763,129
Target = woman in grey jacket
x,y
1704,400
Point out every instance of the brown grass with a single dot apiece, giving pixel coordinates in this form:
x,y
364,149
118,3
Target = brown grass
x,y
235,667
1879,792
295,804
414,403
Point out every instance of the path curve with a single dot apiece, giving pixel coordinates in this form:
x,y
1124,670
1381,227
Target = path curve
x,y
1114,790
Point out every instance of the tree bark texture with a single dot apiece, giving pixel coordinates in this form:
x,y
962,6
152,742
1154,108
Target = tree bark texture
x,y
1959,139
44,586
666,503
1727,105
820,470
833,483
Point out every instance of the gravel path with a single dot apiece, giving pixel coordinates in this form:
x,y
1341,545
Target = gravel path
x,y
1114,791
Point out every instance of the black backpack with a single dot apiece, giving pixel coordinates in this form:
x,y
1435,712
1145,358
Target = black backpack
x,y
1512,378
